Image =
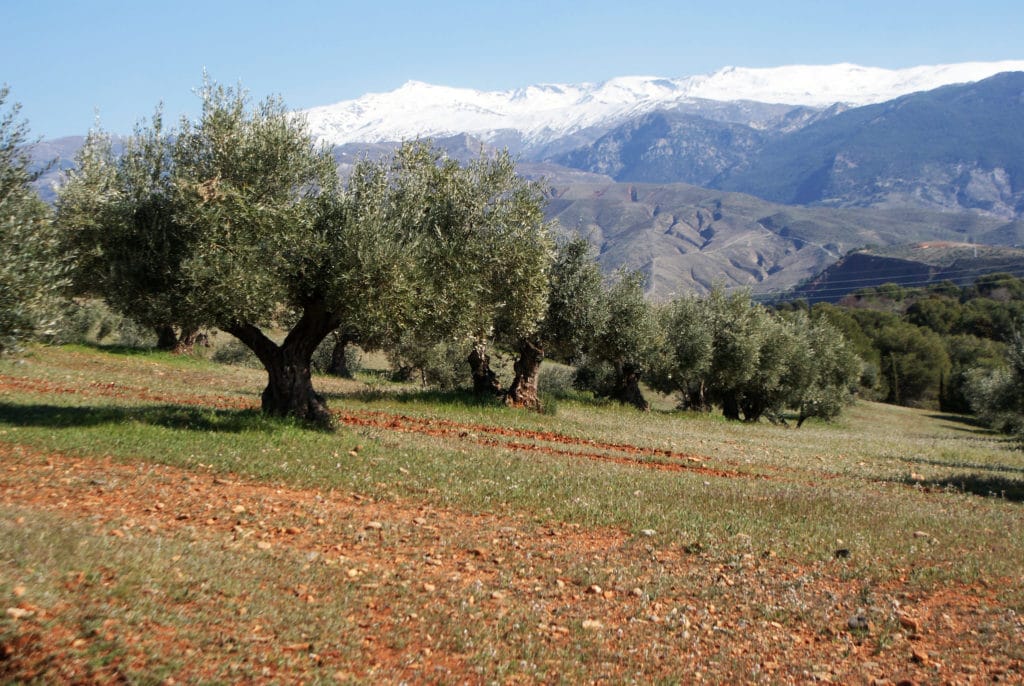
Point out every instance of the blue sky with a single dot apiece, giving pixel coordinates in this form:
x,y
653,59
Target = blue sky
x,y
66,61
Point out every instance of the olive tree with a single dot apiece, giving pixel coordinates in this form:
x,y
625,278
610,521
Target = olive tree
x,y
262,234
726,349
120,217
484,262
32,263
835,371
685,360
574,311
785,366
738,333
571,321
625,343
997,394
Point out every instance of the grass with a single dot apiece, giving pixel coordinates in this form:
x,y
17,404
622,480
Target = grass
x,y
750,516
882,464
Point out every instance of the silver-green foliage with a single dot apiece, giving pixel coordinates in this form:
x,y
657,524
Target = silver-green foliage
x,y
119,215
725,349
239,221
32,264
574,313
997,395
480,249
625,342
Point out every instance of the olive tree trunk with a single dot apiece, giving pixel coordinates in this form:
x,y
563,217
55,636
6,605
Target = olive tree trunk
x,y
731,407
187,341
485,381
167,338
289,391
627,387
523,391
339,362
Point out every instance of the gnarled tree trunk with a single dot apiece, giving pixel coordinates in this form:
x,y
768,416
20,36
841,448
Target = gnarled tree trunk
x,y
186,341
166,338
696,397
627,387
523,391
339,362
289,391
485,381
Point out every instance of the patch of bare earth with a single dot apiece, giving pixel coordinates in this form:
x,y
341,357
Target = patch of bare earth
x,y
444,596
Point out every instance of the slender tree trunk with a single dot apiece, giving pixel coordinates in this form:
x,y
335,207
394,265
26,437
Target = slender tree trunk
x,y
289,391
339,362
485,381
894,391
523,391
627,388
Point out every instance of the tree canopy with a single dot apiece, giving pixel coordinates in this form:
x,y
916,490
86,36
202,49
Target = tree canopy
x,y
725,349
239,221
33,270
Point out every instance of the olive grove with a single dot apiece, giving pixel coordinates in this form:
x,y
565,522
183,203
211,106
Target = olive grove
x,y
239,221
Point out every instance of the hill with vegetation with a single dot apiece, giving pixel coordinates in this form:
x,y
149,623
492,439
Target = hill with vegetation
x,y
914,265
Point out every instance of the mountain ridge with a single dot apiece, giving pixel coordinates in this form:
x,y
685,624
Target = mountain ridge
x,y
544,112
688,193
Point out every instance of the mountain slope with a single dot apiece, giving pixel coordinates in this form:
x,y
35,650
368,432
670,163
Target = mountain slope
x,y
686,238
664,147
954,147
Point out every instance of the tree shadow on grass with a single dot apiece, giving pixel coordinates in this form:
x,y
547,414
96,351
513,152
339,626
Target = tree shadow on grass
x,y
975,484
972,425
977,466
166,416
457,397
965,419
120,348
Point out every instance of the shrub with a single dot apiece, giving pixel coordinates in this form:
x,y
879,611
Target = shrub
x,y
556,380
234,352
93,322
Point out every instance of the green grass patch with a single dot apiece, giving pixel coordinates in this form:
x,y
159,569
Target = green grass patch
x,y
867,482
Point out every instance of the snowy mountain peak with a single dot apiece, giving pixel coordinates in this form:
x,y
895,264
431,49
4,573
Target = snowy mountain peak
x,y
544,112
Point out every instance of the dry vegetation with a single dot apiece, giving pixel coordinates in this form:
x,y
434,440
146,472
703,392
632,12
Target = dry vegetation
x,y
155,528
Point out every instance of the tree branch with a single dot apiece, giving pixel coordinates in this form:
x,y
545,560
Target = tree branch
x,y
257,341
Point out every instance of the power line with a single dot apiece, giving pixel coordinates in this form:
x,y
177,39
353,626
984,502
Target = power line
x,y
902,284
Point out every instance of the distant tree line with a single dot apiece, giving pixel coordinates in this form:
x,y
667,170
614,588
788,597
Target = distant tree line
x,y
957,348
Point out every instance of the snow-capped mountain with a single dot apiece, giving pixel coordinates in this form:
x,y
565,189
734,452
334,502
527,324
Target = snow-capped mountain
x,y
543,113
